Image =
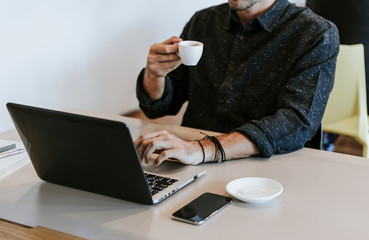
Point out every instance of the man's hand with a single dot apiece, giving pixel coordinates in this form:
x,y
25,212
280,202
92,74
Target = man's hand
x,y
168,146
163,57
161,60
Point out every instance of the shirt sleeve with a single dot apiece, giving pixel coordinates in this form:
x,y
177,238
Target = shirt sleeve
x,y
153,109
175,94
301,102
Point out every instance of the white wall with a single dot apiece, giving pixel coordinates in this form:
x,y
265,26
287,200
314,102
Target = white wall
x,y
81,53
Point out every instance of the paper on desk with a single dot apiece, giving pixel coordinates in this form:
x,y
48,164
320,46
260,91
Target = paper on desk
x,y
12,163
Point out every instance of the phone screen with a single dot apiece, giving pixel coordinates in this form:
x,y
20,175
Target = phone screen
x,y
202,208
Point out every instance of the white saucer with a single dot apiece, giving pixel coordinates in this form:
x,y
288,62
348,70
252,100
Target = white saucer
x,y
254,189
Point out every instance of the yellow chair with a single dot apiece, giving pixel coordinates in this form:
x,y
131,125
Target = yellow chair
x,y
346,111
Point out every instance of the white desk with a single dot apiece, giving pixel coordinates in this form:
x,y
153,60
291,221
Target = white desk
x,y
326,196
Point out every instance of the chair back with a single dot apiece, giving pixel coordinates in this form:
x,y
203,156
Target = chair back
x,y
346,111
348,96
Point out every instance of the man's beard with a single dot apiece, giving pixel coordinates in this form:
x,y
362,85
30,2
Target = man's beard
x,y
240,5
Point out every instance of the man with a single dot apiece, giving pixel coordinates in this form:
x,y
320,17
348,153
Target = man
x,y
264,79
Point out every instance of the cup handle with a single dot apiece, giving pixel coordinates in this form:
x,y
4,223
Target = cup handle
x,y
178,50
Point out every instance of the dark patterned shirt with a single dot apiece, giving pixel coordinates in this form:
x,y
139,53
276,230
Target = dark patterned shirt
x,y
269,81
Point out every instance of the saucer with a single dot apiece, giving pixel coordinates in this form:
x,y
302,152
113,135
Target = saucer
x,y
254,189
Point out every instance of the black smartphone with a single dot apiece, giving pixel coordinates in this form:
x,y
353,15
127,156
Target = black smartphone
x,y
202,208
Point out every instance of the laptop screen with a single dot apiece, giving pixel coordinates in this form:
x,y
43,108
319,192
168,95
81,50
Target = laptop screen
x,y
92,154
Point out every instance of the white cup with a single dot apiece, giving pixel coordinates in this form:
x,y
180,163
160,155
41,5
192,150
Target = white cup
x,y
190,52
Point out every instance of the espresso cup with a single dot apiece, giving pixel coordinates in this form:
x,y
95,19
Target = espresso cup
x,y
190,52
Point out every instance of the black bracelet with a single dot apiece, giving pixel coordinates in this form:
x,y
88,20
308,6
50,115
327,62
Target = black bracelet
x,y
203,151
219,151
217,143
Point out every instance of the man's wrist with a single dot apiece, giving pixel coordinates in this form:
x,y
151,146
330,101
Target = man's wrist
x,y
152,85
219,153
209,150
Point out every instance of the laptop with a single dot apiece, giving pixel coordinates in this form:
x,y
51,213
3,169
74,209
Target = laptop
x,y
95,155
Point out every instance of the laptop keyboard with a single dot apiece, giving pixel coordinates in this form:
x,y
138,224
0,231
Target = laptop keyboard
x,y
158,183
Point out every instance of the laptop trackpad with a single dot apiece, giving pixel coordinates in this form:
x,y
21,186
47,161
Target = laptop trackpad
x,y
166,168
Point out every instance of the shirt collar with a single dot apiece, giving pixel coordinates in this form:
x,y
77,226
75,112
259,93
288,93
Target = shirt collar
x,y
269,20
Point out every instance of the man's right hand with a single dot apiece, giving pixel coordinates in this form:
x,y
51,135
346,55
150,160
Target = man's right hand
x,y
161,60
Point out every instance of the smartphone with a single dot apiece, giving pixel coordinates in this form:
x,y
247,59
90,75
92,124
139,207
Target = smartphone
x,y
202,208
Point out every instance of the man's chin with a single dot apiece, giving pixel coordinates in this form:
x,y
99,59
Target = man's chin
x,y
241,5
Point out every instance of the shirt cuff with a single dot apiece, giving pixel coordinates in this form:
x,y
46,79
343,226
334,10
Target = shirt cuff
x,y
153,109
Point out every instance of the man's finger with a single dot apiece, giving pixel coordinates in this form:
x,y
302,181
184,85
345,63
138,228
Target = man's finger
x,y
173,40
164,155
